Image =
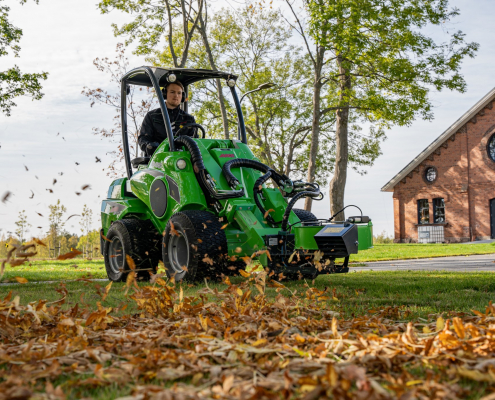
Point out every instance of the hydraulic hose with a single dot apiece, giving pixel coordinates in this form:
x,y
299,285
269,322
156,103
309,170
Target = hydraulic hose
x,y
192,146
257,185
285,219
244,162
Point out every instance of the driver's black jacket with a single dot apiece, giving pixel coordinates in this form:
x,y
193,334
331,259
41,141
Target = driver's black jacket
x,y
153,127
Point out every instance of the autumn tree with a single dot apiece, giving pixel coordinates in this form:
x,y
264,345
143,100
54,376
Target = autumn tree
x,y
139,101
22,226
85,222
89,244
57,223
13,82
384,64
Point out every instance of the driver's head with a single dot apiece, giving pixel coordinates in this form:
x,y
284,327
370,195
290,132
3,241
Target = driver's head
x,y
173,94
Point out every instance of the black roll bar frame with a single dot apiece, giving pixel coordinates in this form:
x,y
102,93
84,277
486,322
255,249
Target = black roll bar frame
x,y
241,135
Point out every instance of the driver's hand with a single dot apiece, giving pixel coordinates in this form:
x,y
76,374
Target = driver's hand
x,y
151,147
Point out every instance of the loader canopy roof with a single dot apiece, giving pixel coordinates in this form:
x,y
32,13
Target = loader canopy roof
x,y
184,76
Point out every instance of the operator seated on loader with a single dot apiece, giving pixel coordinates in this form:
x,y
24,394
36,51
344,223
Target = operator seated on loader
x,y
152,132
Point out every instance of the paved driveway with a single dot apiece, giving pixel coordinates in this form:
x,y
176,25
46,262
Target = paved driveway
x,y
485,262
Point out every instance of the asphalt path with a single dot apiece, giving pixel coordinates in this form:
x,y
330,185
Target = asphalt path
x,y
484,262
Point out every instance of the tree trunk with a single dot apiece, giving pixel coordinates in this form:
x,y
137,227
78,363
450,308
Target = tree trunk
x,y
337,185
221,99
315,125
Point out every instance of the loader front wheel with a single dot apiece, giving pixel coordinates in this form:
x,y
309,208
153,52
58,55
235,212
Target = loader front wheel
x,y
133,238
194,246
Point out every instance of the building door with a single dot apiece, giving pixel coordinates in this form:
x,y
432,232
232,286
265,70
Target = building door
x,y
492,217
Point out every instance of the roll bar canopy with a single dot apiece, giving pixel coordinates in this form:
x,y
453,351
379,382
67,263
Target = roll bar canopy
x,y
158,77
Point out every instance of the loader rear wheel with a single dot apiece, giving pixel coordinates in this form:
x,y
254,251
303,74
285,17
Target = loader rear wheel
x,y
194,246
304,215
136,239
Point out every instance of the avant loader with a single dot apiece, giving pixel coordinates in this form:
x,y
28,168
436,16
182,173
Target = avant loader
x,y
208,207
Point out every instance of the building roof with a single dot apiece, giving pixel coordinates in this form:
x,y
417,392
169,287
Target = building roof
x,y
452,130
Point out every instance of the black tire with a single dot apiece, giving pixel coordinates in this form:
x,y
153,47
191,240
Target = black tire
x,y
231,268
197,243
137,239
304,215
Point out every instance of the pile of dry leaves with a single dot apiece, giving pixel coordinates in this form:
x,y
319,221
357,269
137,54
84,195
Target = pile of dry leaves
x,y
241,344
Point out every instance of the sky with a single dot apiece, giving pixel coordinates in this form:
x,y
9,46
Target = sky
x,y
42,140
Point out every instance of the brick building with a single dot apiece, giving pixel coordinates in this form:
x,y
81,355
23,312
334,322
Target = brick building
x,y
447,193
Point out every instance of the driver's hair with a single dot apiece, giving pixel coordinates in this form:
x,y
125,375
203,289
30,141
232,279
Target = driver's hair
x,y
165,88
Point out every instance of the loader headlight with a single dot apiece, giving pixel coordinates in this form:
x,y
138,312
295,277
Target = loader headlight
x,y
231,82
181,163
171,78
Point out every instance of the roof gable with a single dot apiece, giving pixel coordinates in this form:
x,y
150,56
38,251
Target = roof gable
x,y
439,141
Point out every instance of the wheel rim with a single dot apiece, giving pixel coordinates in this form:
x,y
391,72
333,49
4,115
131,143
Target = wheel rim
x,y
116,256
178,251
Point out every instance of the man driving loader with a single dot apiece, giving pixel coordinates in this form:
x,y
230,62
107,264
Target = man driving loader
x,y
153,132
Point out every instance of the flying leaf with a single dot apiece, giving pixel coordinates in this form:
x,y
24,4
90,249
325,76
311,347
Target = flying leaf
x,y
69,255
268,212
37,241
6,196
244,273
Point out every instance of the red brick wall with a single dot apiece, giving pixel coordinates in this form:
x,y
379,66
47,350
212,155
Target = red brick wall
x,y
465,179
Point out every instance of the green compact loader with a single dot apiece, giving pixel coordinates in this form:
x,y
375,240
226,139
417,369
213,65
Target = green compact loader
x,y
202,205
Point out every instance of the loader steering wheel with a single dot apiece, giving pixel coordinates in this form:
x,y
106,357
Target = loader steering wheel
x,y
192,125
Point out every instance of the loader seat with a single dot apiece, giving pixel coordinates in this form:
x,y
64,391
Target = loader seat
x,y
140,161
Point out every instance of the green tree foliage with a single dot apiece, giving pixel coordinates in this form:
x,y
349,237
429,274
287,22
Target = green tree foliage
x,y
22,226
256,46
14,83
384,64
156,21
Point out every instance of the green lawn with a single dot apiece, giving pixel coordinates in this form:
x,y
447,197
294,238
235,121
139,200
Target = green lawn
x,y
52,270
420,293
402,251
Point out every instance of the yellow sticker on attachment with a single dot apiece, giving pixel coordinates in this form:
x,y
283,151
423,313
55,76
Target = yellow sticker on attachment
x,y
333,230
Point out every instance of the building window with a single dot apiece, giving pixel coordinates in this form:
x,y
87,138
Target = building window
x,y
439,211
430,174
491,148
423,212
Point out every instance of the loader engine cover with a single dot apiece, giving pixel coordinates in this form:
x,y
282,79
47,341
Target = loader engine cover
x,y
338,240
